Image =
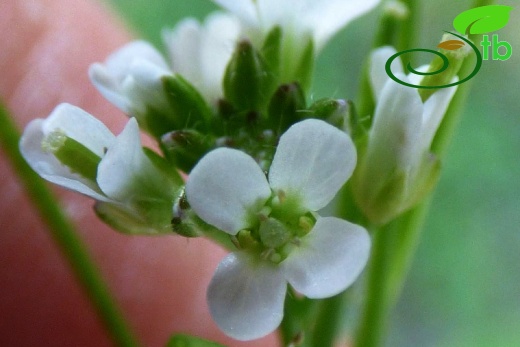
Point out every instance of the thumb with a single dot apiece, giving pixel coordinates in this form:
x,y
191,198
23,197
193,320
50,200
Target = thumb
x,y
160,283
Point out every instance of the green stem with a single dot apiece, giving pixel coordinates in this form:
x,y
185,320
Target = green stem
x,y
394,245
65,236
329,318
393,31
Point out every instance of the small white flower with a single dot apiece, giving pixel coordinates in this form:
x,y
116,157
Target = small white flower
x,y
201,52
301,18
130,78
399,141
122,172
306,25
283,240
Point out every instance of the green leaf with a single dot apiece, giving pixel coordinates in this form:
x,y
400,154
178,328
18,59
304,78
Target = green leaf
x,y
482,19
190,341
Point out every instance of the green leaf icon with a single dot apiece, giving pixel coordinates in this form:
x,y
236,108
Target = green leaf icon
x,y
482,19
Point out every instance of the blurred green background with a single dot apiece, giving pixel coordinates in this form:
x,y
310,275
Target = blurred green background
x,y
464,286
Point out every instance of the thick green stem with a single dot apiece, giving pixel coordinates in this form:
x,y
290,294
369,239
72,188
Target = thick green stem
x,y
65,237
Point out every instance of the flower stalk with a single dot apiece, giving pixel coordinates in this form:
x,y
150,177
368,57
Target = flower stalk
x,y
67,239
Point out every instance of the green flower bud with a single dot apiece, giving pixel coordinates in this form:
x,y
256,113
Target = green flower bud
x,y
188,107
186,147
271,50
285,106
455,52
129,221
247,80
337,112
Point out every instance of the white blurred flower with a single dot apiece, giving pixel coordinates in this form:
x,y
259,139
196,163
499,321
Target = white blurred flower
x,y
306,25
299,18
201,52
73,149
130,78
397,168
282,239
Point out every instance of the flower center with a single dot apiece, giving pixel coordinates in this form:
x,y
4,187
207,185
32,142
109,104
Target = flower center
x,y
278,229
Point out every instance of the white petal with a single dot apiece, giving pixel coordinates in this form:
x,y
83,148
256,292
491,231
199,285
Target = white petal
x,y
109,87
126,172
226,188
378,75
244,9
144,86
396,128
320,18
183,43
313,160
119,62
417,78
221,33
200,53
110,77
434,110
328,17
80,126
48,167
329,259
246,297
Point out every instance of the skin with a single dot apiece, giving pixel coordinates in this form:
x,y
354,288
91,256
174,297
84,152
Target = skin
x,y
159,282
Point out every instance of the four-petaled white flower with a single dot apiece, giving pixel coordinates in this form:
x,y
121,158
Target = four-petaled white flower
x,y
73,149
130,78
282,239
397,169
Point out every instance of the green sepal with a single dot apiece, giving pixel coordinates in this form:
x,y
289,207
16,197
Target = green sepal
x,y
333,111
185,147
78,158
188,107
305,68
426,179
383,201
127,221
272,50
286,106
448,66
165,167
247,81
182,340
157,122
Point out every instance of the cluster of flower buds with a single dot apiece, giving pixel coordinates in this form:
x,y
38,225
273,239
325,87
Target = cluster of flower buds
x,y
231,110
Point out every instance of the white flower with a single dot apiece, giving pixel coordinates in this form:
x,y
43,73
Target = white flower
x,y
130,78
306,25
200,53
282,239
397,165
319,19
73,149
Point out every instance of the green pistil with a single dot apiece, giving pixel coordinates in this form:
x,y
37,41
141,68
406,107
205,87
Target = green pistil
x,y
72,154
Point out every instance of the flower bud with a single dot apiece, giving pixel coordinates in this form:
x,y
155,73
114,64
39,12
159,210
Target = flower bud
x,y
334,111
185,147
247,81
187,107
285,105
454,51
